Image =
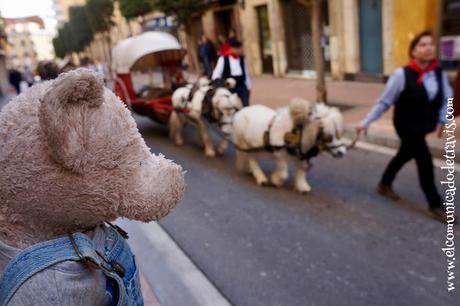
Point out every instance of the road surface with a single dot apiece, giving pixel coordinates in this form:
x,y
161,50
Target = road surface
x,y
341,244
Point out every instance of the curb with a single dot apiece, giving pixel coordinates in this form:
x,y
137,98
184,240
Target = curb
x,y
171,274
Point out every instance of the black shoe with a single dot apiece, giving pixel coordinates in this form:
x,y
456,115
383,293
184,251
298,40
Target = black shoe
x,y
439,213
386,191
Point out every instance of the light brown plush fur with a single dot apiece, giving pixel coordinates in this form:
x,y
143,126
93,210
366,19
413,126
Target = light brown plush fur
x,y
71,157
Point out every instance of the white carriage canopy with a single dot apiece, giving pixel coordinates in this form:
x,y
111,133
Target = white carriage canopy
x,y
145,51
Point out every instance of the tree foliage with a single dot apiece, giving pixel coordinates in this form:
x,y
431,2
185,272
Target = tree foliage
x,y
135,8
99,14
59,47
82,33
182,10
64,43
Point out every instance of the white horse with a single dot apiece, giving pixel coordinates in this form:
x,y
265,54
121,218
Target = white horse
x,y
294,133
201,104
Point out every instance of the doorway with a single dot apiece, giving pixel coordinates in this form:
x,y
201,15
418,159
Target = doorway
x,y
299,46
224,21
370,33
265,43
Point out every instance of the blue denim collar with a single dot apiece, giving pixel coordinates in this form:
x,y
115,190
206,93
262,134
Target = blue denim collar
x,y
43,255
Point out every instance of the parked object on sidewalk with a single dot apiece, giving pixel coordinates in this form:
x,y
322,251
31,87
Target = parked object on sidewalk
x,y
202,104
295,133
72,161
144,53
419,92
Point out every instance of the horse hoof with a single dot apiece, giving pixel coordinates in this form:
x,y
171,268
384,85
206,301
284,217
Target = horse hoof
x,y
220,153
277,182
303,190
210,154
268,184
263,182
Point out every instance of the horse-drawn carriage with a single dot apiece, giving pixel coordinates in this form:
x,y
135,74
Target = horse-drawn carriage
x,y
296,132
150,54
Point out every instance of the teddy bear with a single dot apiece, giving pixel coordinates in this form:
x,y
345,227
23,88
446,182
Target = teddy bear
x,y
72,161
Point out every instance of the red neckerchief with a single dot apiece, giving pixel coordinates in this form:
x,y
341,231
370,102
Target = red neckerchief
x,y
234,55
421,72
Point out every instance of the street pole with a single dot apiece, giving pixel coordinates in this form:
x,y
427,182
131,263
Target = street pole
x,y
321,92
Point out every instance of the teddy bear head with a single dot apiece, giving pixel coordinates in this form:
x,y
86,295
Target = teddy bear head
x,y
71,157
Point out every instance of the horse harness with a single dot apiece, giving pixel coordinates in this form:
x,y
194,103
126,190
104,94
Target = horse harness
x,y
208,111
292,143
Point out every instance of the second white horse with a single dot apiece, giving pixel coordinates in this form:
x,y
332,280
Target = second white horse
x,y
294,133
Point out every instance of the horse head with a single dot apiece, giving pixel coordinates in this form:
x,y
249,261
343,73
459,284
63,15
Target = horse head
x,y
330,129
225,105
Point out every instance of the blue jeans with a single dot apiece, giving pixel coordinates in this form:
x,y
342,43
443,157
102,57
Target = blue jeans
x,y
123,288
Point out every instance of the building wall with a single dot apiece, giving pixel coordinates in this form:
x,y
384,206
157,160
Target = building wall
x,y
28,43
387,32
399,26
4,82
251,36
344,39
408,22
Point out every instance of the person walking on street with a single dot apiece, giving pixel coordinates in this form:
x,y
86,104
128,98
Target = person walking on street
x,y
208,55
234,66
419,93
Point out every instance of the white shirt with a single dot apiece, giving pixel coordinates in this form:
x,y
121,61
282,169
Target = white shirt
x,y
235,69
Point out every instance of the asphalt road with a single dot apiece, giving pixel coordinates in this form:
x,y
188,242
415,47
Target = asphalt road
x,y
341,244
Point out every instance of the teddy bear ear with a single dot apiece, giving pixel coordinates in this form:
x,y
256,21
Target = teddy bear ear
x,y
65,112
81,86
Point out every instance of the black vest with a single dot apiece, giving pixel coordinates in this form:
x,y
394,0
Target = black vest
x,y
227,73
414,113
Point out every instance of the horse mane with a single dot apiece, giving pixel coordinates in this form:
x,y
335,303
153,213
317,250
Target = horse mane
x,y
330,116
300,110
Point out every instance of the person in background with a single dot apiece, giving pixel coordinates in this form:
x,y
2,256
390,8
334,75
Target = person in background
x,y
28,76
419,93
224,45
232,36
234,66
15,78
208,55
47,70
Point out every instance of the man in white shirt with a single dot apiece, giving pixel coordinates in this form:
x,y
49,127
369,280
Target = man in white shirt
x,y
233,66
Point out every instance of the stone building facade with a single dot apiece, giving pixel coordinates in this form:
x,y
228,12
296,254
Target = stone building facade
x,y
362,39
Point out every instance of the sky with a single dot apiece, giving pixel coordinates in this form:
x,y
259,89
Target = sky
x,y
23,8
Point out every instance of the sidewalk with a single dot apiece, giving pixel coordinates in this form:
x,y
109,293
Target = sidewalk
x,y
355,99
